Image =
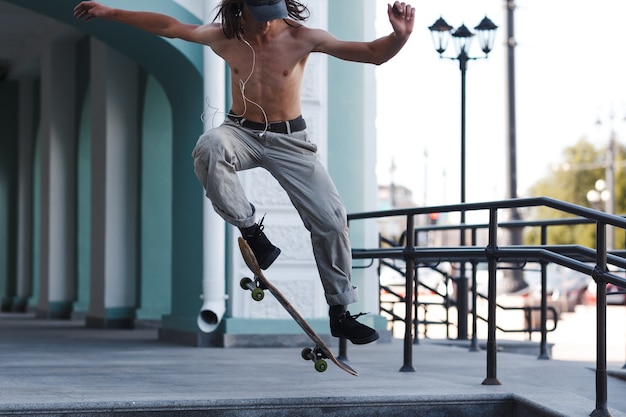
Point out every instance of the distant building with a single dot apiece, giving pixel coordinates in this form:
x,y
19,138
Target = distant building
x,y
394,196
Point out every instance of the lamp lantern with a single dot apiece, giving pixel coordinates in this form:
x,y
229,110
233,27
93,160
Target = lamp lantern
x,y
486,31
440,33
462,40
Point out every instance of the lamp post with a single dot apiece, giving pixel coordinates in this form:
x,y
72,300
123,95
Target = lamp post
x,y
441,32
609,178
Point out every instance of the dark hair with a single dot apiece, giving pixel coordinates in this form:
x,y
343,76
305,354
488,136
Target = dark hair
x,y
230,13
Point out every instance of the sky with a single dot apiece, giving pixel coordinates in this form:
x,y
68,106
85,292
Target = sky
x,y
569,73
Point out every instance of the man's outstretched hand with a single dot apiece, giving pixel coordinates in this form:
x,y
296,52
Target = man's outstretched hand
x,y
402,18
88,10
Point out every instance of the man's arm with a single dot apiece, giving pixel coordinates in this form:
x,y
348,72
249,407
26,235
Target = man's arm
x,y
156,23
379,51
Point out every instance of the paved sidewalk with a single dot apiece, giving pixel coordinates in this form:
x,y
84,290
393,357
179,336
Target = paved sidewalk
x,y
53,366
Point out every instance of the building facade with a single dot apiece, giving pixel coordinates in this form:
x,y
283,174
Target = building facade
x,y
101,215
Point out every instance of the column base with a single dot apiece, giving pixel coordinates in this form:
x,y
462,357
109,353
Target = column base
x,y
115,318
60,310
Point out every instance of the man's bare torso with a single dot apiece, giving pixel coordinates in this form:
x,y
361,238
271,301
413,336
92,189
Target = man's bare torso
x,y
267,69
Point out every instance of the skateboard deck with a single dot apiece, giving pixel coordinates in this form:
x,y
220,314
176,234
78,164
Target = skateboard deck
x,y
321,351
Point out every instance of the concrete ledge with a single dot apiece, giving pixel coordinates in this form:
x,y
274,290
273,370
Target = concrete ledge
x,y
58,368
495,405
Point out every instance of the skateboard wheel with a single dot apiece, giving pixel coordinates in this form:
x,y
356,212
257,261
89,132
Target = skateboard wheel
x,y
244,283
307,354
258,294
321,365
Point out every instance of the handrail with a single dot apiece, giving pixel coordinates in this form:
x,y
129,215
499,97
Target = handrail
x,y
569,256
588,213
401,299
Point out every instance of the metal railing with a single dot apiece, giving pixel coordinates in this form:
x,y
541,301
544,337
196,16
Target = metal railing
x,y
592,262
390,297
527,310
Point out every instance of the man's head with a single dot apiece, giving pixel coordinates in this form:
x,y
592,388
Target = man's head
x,y
266,10
230,13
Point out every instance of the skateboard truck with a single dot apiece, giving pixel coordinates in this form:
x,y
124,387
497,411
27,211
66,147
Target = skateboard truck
x,y
255,286
316,355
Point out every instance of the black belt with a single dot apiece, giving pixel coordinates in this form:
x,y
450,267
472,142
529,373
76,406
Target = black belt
x,y
286,127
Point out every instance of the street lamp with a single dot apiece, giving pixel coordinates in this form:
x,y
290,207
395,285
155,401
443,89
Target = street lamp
x,y
609,175
441,32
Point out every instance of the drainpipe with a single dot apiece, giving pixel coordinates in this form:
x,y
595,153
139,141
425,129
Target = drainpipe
x,y
214,272
214,231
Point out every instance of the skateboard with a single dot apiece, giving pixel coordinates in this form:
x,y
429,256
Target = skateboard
x,y
317,354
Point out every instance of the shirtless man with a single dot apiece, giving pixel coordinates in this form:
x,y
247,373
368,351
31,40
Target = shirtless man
x,y
266,48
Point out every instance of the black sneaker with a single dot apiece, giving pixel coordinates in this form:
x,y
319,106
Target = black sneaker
x,y
264,251
344,325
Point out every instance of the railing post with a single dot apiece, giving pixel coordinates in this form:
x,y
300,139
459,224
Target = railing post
x,y
543,349
624,367
408,297
461,290
343,350
492,347
416,320
474,343
461,303
601,373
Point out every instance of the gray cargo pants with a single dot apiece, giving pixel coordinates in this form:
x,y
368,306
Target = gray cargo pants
x,y
292,160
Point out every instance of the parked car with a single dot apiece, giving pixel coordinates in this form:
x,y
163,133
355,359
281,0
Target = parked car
x,y
564,286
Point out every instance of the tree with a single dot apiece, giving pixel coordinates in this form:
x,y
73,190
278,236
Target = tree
x,y
582,166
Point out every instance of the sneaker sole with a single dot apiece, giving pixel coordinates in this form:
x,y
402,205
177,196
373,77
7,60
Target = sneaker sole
x,y
364,341
270,259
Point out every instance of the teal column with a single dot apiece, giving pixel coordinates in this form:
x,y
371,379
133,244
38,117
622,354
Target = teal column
x,y
57,182
156,202
352,131
180,325
346,105
114,188
83,180
24,244
8,191
35,262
